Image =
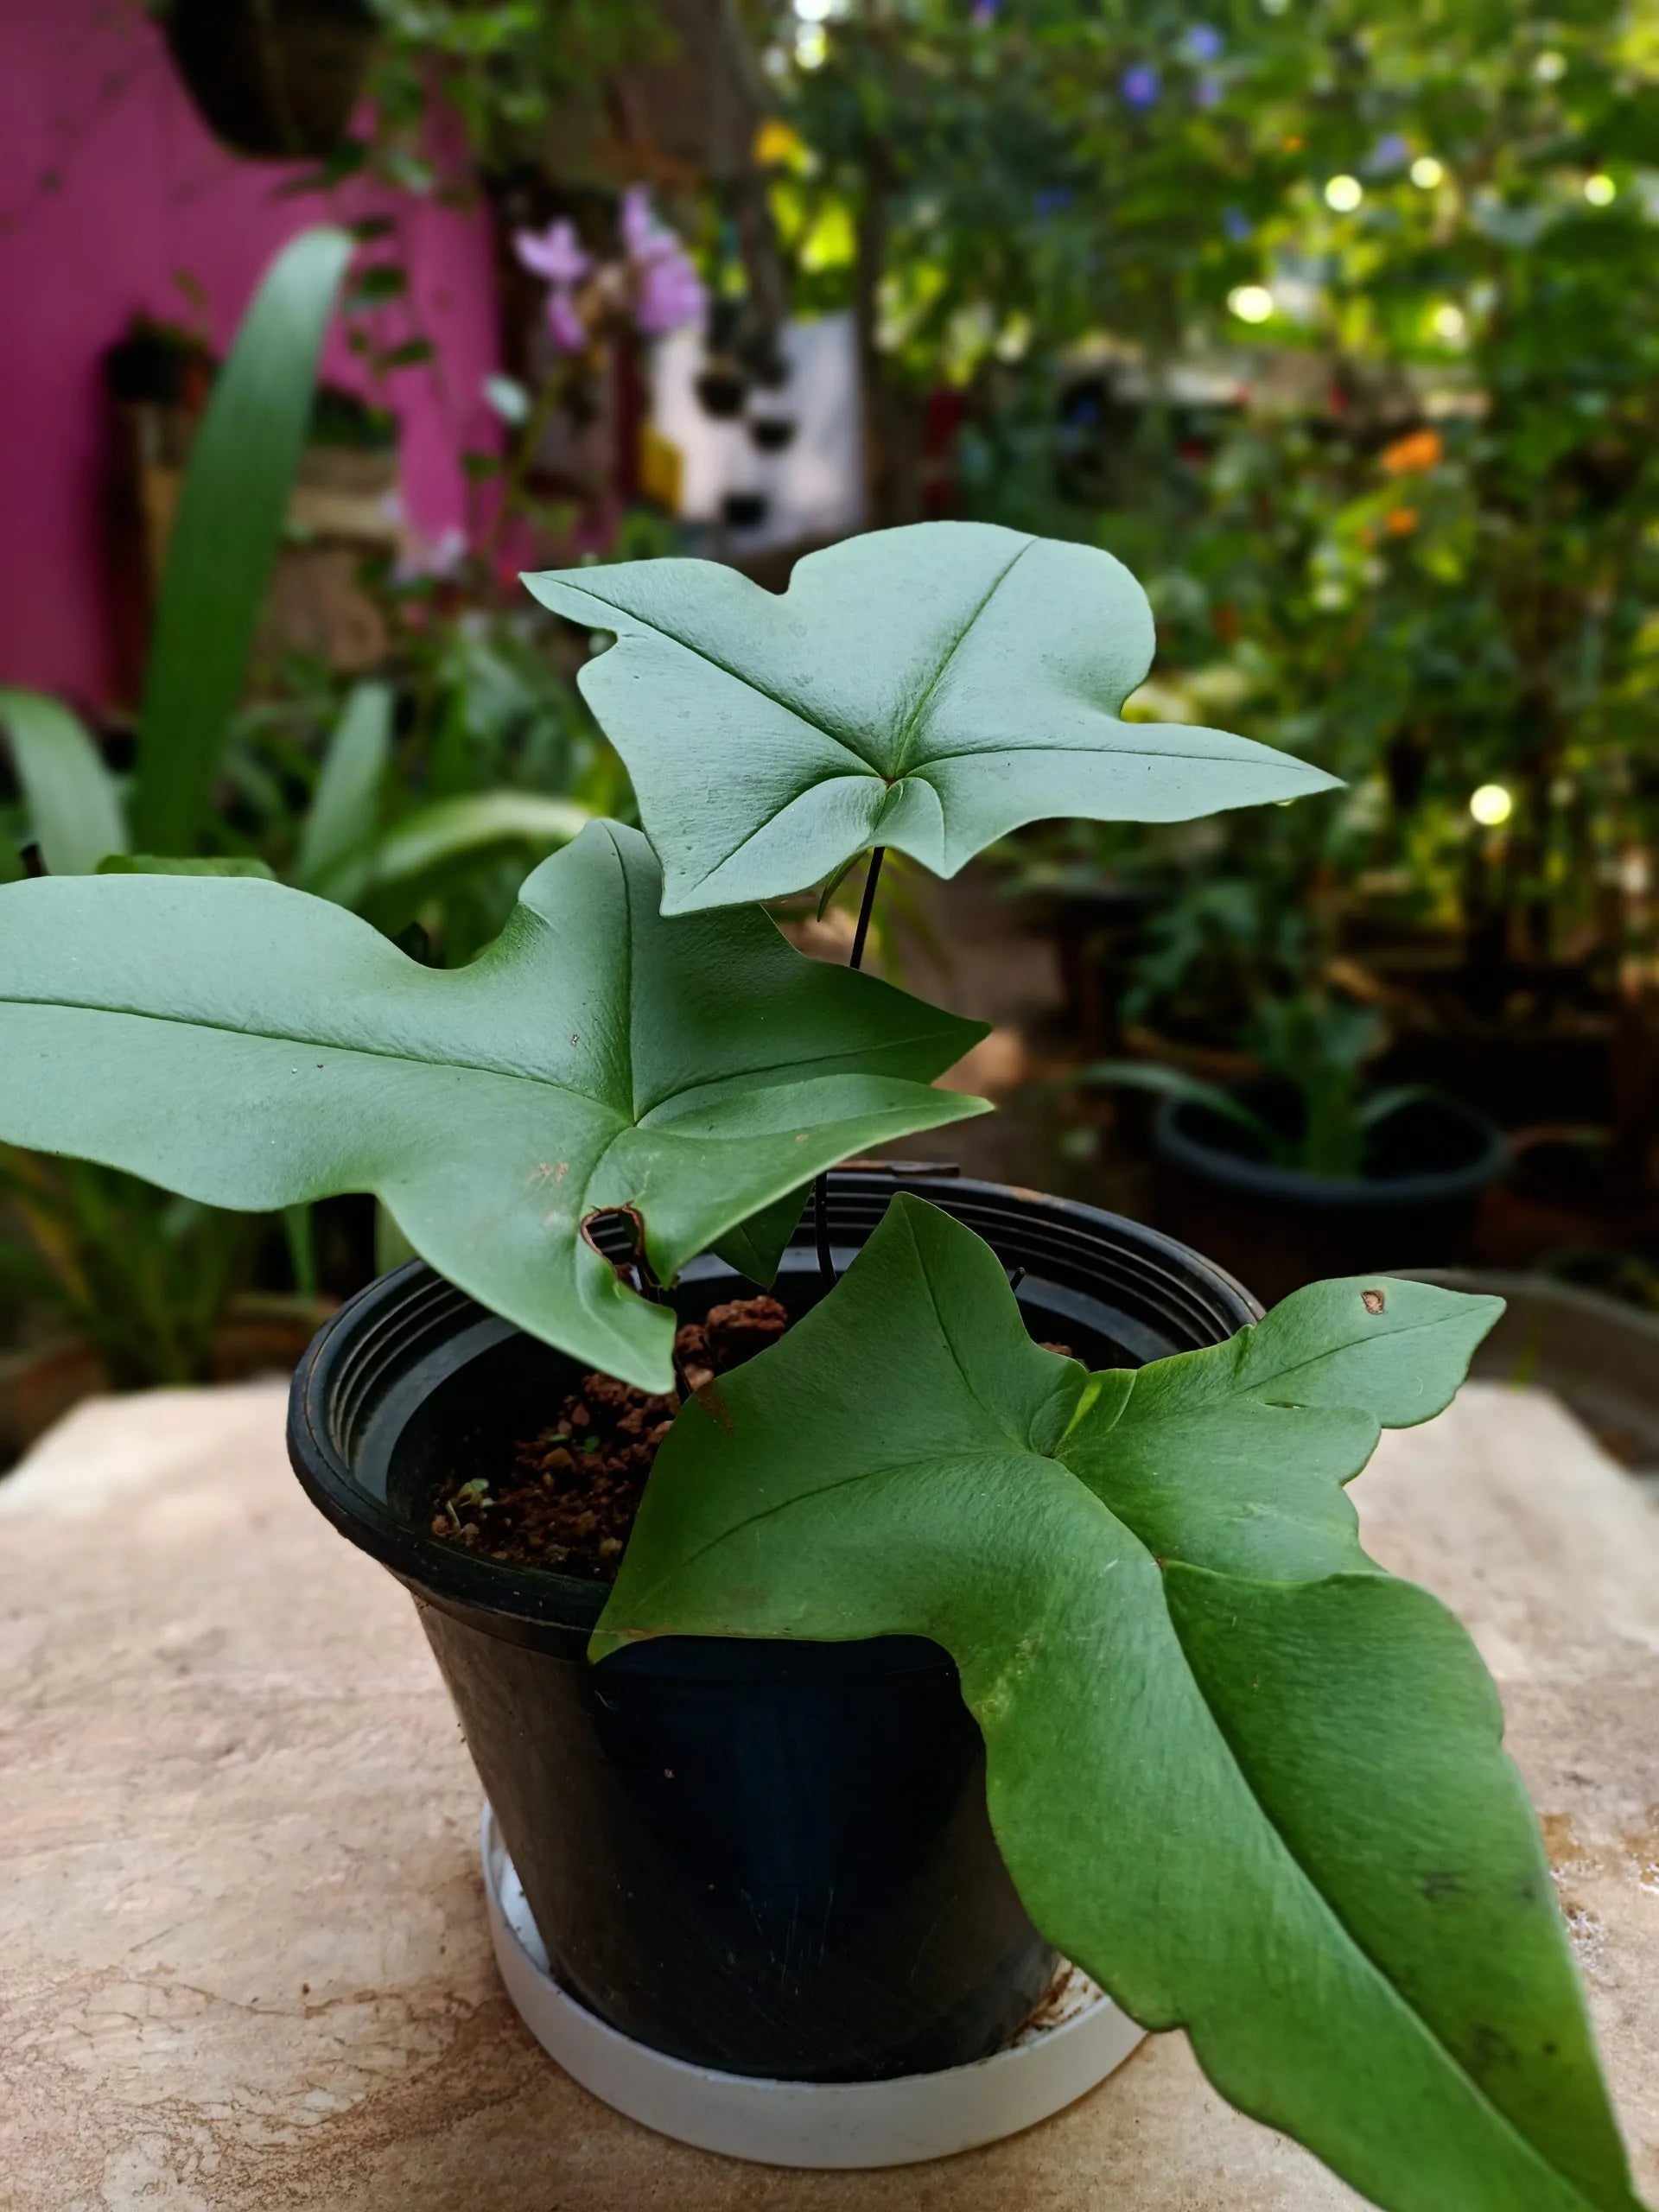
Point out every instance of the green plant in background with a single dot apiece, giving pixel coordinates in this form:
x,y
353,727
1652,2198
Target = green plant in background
x,y
221,551
1336,320
427,838
223,545
1251,1782
1314,1051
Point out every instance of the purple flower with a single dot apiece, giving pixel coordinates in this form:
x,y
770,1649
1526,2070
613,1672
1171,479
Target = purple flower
x,y
670,294
1390,152
985,12
643,235
1207,90
1238,224
668,291
1202,43
569,331
554,255
1140,85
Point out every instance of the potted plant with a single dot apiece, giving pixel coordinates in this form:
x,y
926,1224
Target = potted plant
x,y
1249,1782
276,80
1311,1165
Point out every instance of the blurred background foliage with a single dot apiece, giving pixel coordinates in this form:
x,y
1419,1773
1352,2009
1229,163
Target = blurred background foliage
x,y
1335,319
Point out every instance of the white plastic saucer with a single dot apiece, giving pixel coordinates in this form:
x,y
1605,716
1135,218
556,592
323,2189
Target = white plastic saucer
x,y
1080,2038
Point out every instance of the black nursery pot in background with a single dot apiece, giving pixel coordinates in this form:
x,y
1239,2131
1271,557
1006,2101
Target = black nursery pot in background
x,y
771,1859
1431,1163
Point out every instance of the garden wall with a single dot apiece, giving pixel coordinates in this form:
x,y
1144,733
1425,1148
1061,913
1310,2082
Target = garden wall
x,y
110,186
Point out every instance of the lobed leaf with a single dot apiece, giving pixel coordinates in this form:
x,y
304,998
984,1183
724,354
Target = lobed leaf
x,y
1254,1785
929,688
251,1046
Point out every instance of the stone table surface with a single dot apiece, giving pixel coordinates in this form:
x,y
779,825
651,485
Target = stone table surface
x,y
246,1966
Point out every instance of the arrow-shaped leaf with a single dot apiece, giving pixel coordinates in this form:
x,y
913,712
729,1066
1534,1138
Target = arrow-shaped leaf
x,y
252,1047
930,687
1252,1784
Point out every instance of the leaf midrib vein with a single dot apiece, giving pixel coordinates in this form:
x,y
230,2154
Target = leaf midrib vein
x,y
901,742
1257,1389
1329,1905
701,652
1278,761
320,1045
649,1117
917,1466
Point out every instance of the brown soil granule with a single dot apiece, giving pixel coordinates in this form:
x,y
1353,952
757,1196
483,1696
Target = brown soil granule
x,y
568,1499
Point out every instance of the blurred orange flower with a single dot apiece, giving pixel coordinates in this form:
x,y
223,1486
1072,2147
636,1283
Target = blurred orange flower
x,y
1409,457
776,142
1400,522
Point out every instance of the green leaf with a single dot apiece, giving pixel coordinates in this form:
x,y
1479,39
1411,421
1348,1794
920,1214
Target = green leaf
x,y
1163,1081
73,807
344,808
225,535
1251,1783
468,826
244,865
929,688
251,1046
755,1246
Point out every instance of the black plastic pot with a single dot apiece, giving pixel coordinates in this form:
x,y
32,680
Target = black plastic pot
x,y
274,79
1432,1162
769,1857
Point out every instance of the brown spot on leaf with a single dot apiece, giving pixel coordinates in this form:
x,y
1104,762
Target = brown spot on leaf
x,y
1372,1301
717,1408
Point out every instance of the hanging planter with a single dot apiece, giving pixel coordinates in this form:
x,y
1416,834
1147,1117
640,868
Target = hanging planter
x,y
274,79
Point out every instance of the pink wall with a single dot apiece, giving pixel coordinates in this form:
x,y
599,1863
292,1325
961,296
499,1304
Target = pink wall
x,y
109,185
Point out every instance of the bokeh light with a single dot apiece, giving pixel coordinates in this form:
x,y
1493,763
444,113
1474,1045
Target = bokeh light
x,y
1491,805
1344,193
1251,303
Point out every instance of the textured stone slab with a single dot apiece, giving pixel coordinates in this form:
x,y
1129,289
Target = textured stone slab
x,y
246,1964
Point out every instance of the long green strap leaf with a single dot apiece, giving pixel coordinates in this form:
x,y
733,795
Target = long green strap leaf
x,y
73,807
344,807
225,536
